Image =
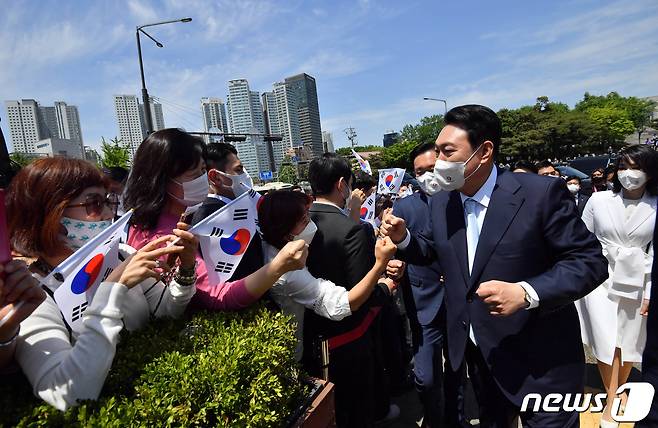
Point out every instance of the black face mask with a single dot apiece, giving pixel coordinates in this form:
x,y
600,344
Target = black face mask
x,y
598,180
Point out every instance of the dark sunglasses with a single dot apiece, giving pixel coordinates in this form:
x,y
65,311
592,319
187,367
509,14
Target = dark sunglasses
x,y
95,202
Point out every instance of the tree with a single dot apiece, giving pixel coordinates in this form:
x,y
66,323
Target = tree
x,y
287,172
637,111
395,156
114,153
424,132
20,159
346,151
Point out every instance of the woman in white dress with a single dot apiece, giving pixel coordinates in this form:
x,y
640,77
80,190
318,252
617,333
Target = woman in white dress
x,y
55,205
613,316
283,216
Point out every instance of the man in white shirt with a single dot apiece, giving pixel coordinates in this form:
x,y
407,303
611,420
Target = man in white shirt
x,y
515,257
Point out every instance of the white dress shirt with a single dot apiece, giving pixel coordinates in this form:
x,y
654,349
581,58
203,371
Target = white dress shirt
x,y
483,198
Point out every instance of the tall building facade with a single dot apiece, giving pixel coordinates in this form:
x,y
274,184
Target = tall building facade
x,y
213,111
130,118
328,142
245,116
132,124
29,123
25,125
304,92
282,118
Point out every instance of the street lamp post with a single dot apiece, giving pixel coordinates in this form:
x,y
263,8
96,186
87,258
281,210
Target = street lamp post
x,y
445,103
145,94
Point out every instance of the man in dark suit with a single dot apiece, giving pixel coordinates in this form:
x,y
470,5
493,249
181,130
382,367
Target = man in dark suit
x,y
423,292
515,257
343,253
574,186
650,356
228,180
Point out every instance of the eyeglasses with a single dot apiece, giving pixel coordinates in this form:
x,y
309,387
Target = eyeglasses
x,y
94,203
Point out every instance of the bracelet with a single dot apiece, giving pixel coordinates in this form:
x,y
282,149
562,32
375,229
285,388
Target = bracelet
x,y
185,280
12,340
187,271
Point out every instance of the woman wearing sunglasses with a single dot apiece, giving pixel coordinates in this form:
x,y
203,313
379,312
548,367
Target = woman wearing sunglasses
x,y
167,177
54,206
283,216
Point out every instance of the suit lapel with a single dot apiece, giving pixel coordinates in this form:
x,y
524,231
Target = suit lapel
x,y
456,229
503,206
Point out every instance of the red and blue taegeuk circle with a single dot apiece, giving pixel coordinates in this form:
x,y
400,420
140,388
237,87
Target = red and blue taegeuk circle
x,y
86,277
389,179
364,213
236,244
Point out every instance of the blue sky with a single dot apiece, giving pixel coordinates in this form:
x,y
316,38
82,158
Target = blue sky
x,y
373,60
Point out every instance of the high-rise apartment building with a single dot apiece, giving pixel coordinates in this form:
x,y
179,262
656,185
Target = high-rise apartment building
x,y
282,118
29,123
245,116
213,111
328,142
304,91
131,121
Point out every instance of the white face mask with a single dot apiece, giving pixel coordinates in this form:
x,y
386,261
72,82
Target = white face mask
x,y
348,199
428,183
450,175
240,183
632,179
79,232
573,188
194,191
307,234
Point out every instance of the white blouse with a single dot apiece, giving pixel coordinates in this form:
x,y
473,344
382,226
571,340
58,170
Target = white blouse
x,y
64,369
298,289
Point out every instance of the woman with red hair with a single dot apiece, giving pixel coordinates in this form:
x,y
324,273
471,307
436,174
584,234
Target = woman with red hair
x,y
54,206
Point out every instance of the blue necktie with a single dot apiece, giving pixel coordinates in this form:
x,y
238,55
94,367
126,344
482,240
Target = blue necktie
x,y
472,230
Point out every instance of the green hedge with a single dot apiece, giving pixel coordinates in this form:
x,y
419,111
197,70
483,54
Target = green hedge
x,y
213,369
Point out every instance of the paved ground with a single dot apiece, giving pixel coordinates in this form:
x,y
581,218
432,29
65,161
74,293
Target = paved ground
x,y
411,410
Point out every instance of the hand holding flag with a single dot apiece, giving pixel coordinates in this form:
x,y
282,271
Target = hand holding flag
x,y
363,164
84,270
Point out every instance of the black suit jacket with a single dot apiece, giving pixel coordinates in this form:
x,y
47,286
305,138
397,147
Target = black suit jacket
x,y
531,233
426,289
342,252
582,201
253,257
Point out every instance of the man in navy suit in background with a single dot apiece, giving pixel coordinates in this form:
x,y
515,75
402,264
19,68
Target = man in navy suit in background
x,y
423,297
515,256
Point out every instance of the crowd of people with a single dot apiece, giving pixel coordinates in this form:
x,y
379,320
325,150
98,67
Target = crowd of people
x,y
497,275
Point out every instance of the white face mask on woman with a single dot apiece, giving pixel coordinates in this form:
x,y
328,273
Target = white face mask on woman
x,y
632,179
307,234
79,232
450,175
194,191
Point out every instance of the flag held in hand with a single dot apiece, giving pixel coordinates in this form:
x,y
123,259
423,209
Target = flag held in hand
x,y
84,270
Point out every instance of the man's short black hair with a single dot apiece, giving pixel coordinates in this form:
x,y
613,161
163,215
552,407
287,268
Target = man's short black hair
x,y
573,177
524,164
217,155
480,122
420,149
363,181
116,173
325,171
545,164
